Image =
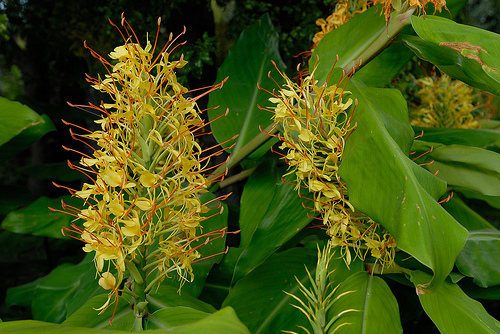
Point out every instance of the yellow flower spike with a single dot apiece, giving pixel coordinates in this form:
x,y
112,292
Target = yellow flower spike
x,y
445,102
146,169
314,129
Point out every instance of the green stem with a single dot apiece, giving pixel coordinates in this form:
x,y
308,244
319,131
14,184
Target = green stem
x,y
137,273
157,278
235,178
246,150
397,21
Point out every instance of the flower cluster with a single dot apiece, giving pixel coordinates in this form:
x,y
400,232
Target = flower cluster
x,y
314,125
344,11
388,6
347,9
147,170
445,103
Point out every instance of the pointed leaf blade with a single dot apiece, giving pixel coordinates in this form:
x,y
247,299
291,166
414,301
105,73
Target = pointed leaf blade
x,y
375,309
394,191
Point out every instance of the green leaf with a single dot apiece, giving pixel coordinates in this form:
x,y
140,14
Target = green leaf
x,y
223,321
468,167
390,188
375,307
258,298
20,127
37,219
16,118
467,137
285,217
255,199
465,53
469,218
247,64
452,310
362,30
479,258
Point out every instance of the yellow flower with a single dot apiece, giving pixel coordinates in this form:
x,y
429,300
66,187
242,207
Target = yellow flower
x,y
314,129
445,103
143,203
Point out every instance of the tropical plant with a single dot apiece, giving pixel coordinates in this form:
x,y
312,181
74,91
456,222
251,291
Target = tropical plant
x,y
344,217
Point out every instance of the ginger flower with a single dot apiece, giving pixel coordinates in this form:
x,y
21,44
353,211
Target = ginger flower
x,y
344,11
142,209
446,103
389,5
314,124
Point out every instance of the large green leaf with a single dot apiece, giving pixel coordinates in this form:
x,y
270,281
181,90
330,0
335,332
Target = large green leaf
x,y
360,31
37,219
258,298
223,321
247,64
386,185
479,257
452,310
465,53
376,308
493,201
285,217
